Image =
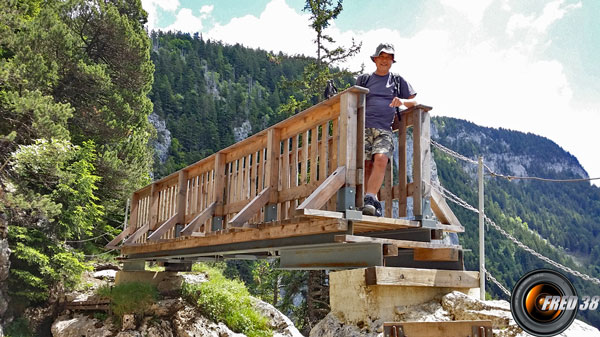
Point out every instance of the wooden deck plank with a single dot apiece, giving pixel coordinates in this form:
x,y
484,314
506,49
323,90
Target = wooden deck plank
x,y
283,229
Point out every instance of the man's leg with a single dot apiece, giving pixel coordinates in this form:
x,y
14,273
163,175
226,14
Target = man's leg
x,y
376,173
368,170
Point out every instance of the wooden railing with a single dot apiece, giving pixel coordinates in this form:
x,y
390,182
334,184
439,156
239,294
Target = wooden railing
x,y
312,160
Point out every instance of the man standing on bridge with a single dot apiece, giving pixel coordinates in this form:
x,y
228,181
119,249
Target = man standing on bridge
x,y
387,92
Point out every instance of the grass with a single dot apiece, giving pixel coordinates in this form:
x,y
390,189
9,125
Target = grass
x,y
129,298
227,301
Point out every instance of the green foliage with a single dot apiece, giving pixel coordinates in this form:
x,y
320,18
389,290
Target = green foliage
x,y
38,264
129,298
18,328
74,78
228,301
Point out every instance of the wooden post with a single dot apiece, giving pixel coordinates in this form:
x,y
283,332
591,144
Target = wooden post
x,y
182,197
135,204
153,218
402,167
360,148
272,171
347,149
425,160
218,190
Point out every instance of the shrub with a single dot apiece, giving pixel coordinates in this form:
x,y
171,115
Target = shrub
x,y
18,328
228,301
129,298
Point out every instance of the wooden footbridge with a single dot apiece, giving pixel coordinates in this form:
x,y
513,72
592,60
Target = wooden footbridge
x,y
293,192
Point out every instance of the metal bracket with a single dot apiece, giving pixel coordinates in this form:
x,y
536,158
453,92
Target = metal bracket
x,y
217,223
178,229
271,212
346,199
353,215
427,219
393,330
481,331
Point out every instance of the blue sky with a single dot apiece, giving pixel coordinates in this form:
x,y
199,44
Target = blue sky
x,y
524,65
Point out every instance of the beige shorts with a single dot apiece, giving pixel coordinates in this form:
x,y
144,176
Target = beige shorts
x,y
378,141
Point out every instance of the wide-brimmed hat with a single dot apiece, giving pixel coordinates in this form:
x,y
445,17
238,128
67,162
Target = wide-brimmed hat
x,y
387,48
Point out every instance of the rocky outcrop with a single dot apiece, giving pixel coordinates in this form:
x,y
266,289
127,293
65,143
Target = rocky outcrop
x,y
170,317
163,137
454,306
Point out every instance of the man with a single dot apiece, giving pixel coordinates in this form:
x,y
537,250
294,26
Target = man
x,y
387,92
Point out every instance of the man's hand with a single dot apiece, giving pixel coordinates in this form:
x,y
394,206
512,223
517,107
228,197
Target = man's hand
x,y
396,102
409,103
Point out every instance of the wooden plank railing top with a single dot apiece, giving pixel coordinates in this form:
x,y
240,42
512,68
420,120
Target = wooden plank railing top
x,y
289,122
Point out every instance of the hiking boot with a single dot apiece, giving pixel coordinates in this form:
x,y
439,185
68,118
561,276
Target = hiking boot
x,y
371,206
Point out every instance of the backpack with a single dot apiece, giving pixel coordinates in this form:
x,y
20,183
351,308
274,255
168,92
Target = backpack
x,y
363,79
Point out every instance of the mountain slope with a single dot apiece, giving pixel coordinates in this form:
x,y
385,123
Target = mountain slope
x,y
559,220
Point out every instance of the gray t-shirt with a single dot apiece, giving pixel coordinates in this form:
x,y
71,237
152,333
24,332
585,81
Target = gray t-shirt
x,y
378,113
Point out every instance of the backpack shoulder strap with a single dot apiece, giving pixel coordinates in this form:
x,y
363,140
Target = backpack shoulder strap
x,y
362,80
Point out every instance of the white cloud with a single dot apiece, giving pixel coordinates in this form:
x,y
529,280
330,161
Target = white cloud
x,y
186,21
552,12
473,77
278,28
207,9
472,10
151,6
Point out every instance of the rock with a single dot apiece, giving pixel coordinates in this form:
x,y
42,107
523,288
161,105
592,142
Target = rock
x,y
106,266
150,328
194,278
281,324
106,274
163,140
166,308
463,307
188,322
332,326
128,322
427,312
40,318
81,325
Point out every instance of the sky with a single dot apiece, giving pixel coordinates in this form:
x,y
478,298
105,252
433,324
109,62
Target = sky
x,y
530,66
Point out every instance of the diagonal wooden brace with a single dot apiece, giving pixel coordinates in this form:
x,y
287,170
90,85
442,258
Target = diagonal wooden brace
x,y
325,191
441,209
199,219
115,242
163,228
137,234
251,208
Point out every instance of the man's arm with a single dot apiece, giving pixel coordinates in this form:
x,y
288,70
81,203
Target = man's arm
x,y
409,103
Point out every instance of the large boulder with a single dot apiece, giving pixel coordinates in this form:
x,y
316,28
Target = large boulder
x,y
81,325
